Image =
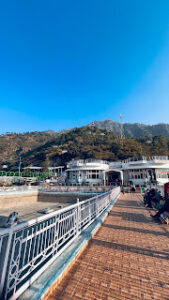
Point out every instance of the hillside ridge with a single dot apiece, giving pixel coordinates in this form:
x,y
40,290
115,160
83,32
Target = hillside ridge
x,y
89,141
134,130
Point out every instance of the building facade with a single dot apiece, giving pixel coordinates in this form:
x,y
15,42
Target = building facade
x,y
144,171
86,172
140,171
91,172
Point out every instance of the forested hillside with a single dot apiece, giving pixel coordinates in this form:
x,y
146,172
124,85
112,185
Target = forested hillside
x,y
92,142
12,145
53,149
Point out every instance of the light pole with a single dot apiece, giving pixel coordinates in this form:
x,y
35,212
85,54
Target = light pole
x,y
19,166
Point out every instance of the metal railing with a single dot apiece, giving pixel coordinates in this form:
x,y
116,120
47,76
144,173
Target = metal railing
x,y
79,162
22,188
75,188
27,249
56,188
163,158
145,158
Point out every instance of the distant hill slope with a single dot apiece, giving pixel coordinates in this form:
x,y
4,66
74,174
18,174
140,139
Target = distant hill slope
x,y
96,140
92,142
133,130
12,145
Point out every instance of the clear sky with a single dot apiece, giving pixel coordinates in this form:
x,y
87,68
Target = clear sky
x,y
67,63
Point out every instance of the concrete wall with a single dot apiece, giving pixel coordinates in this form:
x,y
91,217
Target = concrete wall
x,y
16,199
62,198
8,200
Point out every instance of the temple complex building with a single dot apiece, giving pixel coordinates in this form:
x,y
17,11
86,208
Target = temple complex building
x,y
138,171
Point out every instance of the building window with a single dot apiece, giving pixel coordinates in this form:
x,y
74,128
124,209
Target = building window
x,y
161,173
93,174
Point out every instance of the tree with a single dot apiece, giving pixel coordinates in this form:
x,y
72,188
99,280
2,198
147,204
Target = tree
x,y
46,165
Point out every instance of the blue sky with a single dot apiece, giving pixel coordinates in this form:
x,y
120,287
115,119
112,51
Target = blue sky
x,y
67,63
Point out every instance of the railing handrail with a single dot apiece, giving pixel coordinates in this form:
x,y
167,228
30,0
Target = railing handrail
x,y
85,161
30,247
49,215
145,158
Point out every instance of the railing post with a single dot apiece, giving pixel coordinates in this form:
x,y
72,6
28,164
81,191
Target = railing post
x,y
109,197
5,264
96,203
78,216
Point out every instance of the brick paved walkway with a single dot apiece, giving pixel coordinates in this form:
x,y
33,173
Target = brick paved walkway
x,y
128,258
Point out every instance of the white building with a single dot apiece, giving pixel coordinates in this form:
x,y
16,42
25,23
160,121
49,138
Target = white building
x,y
143,170
91,171
53,171
139,171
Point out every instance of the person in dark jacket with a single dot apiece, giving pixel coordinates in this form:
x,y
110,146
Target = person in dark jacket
x,y
163,209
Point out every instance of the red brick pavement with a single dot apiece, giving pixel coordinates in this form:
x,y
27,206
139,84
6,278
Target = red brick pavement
x,y
128,258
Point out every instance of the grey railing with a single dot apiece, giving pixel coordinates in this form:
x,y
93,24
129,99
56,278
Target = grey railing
x,y
17,189
27,249
75,188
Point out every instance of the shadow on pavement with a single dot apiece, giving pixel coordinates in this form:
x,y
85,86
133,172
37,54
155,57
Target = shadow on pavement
x,y
139,230
142,251
135,217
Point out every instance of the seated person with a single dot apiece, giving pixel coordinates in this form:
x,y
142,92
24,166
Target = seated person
x,y
163,209
161,203
150,196
133,189
156,198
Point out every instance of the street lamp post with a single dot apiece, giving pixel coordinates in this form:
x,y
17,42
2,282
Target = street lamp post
x,y
20,166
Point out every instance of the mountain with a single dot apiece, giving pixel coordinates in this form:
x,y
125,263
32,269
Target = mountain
x,y
12,145
92,142
97,140
133,129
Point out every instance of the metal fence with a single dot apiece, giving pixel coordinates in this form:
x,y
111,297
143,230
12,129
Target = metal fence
x,y
75,188
17,189
56,188
27,249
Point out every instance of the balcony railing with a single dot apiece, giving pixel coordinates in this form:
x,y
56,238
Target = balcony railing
x,y
27,249
80,162
145,159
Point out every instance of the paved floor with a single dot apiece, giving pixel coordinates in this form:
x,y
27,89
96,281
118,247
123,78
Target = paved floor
x,y
128,258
